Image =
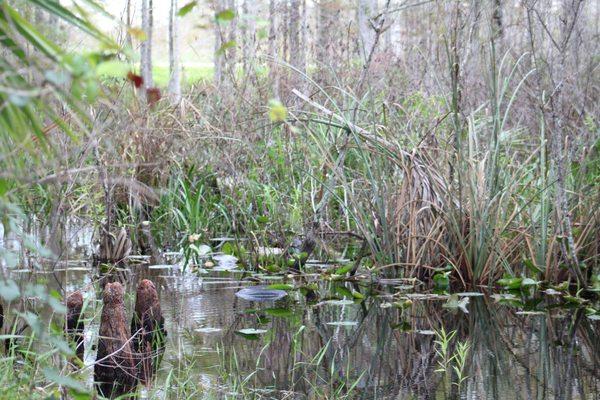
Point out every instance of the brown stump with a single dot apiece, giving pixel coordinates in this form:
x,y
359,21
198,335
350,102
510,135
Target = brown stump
x,y
75,324
114,371
147,327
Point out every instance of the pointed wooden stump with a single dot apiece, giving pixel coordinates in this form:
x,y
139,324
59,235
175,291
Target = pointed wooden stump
x,y
147,328
115,371
75,325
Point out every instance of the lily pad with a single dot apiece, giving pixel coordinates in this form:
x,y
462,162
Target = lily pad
x,y
252,331
260,293
208,329
343,323
339,302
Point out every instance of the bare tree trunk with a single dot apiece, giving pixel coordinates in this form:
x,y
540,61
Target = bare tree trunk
x,y
128,39
249,11
232,35
560,154
274,46
366,10
294,32
146,48
174,88
219,58
303,37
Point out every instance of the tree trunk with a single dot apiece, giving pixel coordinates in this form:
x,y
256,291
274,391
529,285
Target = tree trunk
x,y
274,47
250,12
366,10
560,155
294,34
115,372
174,88
146,48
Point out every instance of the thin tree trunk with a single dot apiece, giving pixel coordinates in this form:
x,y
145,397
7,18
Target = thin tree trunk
x,y
219,58
128,39
560,155
366,10
274,46
174,88
250,11
303,37
146,48
294,31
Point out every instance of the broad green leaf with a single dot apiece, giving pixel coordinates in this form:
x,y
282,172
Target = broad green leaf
x,y
344,270
113,69
9,290
187,8
225,46
55,376
225,16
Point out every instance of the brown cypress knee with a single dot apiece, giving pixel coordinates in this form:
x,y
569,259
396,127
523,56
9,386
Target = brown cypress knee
x,y
115,372
75,325
147,328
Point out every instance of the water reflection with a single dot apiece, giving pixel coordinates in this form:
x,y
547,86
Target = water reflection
x,y
321,341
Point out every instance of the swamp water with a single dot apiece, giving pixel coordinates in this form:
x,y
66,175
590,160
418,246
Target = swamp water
x,y
363,339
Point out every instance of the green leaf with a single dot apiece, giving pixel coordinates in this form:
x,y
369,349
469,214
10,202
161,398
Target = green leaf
x,y
113,69
228,248
225,46
279,312
9,290
532,267
344,270
357,295
281,286
54,376
225,16
510,283
277,111
529,282
187,8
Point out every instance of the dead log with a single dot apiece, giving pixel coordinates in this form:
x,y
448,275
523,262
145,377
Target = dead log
x,y
115,372
148,329
75,325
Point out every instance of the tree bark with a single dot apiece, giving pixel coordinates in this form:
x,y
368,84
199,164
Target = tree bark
x,y
250,10
294,32
174,87
274,47
146,48
115,372
366,10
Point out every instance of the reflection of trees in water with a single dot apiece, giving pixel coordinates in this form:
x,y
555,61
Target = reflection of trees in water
x,y
541,356
514,356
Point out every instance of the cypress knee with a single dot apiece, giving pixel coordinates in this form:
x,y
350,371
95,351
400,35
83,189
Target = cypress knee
x,y
147,327
75,324
115,372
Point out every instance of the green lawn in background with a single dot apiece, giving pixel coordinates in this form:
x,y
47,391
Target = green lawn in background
x,y
190,74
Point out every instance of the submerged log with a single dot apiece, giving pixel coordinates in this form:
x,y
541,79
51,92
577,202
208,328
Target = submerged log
x,y
147,327
75,325
115,372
